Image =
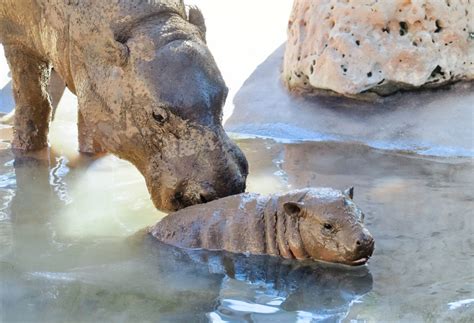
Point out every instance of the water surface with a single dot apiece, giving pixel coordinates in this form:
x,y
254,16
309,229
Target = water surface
x,y
69,252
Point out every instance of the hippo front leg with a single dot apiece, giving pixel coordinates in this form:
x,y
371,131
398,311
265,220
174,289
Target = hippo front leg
x,y
87,143
30,75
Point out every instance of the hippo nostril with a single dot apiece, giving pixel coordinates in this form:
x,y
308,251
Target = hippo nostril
x,y
178,196
207,196
358,243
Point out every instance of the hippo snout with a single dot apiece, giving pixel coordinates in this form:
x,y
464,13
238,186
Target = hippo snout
x,y
205,166
363,249
190,194
186,197
241,161
229,179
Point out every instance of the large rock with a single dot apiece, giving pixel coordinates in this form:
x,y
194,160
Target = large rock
x,y
381,46
431,122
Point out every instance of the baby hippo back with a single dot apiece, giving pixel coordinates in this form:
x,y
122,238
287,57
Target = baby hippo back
x,y
312,223
234,223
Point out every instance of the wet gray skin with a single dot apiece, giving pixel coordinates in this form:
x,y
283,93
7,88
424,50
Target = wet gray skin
x,y
149,90
195,161
312,223
333,230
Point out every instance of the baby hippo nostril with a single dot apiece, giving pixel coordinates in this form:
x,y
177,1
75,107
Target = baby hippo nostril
x,y
364,246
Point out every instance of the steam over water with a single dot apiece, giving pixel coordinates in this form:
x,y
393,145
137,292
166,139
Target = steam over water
x,y
67,254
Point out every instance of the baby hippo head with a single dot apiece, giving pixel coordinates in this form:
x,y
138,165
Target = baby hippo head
x,y
331,227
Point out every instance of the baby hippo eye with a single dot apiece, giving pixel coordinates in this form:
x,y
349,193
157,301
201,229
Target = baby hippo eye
x,y
160,115
327,226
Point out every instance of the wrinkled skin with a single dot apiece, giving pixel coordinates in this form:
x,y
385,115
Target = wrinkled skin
x,y
148,89
333,231
314,223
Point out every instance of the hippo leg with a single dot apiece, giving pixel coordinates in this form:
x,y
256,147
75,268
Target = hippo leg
x,y
87,144
30,77
56,90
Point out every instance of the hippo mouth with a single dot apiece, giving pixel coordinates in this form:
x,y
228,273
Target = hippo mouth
x,y
358,262
354,263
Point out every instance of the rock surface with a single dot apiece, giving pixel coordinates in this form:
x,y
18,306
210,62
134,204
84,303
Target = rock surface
x,y
430,122
381,46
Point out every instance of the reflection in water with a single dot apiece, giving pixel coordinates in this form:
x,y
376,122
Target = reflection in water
x,y
255,285
56,177
420,210
66,255
7,192
52,275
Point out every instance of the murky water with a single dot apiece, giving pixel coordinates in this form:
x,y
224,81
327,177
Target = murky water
x,y
67,256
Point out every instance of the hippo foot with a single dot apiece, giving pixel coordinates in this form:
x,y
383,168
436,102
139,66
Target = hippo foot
x,y
25,144
91,148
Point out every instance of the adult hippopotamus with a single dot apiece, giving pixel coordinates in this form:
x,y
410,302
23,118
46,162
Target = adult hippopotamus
x,y
149,90
315,223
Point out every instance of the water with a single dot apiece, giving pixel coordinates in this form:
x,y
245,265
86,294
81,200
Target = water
x,y
69,252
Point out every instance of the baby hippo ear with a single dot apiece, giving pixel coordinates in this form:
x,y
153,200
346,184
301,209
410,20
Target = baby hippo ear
x,y
293,208
349,192
196,17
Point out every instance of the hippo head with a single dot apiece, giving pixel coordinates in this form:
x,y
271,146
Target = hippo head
x,y
162,97
331,227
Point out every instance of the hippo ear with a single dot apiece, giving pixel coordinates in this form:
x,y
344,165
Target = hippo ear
x,y
196,17
349,192
293,208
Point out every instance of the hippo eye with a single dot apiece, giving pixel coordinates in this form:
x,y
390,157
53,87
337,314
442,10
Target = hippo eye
x,y
328,226
160,116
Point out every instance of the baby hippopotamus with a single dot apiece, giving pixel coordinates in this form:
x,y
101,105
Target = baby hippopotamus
x,y
312,223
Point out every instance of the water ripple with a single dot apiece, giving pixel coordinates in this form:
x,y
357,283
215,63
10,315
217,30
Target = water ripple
x,y
56,179
461,303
